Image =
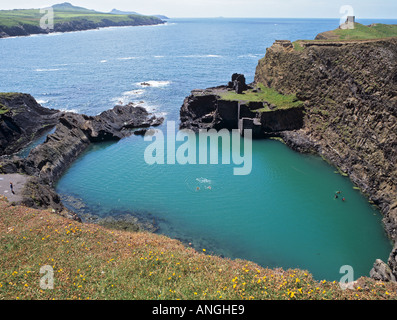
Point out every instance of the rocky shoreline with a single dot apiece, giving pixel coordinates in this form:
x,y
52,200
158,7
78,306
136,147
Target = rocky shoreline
x,y
21,121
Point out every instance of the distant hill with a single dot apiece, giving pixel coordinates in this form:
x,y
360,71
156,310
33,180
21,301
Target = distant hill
x,y
115,11
67,17
160,16
66,6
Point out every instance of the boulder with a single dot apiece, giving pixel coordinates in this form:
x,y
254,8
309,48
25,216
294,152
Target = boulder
x,y
382,272
239,84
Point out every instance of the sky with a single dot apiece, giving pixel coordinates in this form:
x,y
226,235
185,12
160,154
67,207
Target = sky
x,y
362,9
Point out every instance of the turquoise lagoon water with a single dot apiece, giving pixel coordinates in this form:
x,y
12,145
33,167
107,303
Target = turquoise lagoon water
x,y
281,215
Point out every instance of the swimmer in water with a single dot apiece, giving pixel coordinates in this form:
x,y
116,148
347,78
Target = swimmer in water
x,y
209,187
198,188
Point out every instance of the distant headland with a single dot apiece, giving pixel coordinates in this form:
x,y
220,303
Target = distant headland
x,y
67,18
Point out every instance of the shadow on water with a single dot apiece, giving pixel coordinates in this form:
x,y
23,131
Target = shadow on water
x,y
24,153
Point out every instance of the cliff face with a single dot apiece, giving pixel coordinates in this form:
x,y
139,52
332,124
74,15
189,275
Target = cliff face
x,y
350,96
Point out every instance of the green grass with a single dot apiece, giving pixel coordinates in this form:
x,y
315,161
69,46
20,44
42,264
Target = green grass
x,y
12,18
269,95
361,32
18,17
91,262
6,96
3,109
9,95
298,46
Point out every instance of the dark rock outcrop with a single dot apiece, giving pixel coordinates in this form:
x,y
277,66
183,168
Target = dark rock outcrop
x,y
38,195
238,83
22,120
282,120
75,132
199,110
206,109
392,261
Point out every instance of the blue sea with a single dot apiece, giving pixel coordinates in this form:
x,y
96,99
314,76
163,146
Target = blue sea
x,y
283,214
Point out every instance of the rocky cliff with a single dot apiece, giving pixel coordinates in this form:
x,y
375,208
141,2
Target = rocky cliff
x,y
350,94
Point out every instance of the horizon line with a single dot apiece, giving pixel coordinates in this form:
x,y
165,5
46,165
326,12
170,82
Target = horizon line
x,y
328,18
227,17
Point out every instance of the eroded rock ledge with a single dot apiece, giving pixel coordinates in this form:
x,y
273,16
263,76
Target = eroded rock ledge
x,y
232,107
23,117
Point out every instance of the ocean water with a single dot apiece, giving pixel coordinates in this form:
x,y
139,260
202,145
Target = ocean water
x,y
283,214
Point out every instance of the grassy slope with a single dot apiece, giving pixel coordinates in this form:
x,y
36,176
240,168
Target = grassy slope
x,y
360,32
91,262
265,94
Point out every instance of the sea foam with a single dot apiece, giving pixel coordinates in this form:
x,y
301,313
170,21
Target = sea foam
x,y
47,70
153,83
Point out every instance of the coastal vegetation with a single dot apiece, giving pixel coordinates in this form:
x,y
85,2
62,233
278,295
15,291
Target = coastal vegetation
x,y
374,31
14,18
262,93
360,32
91,262
3,109
67,16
